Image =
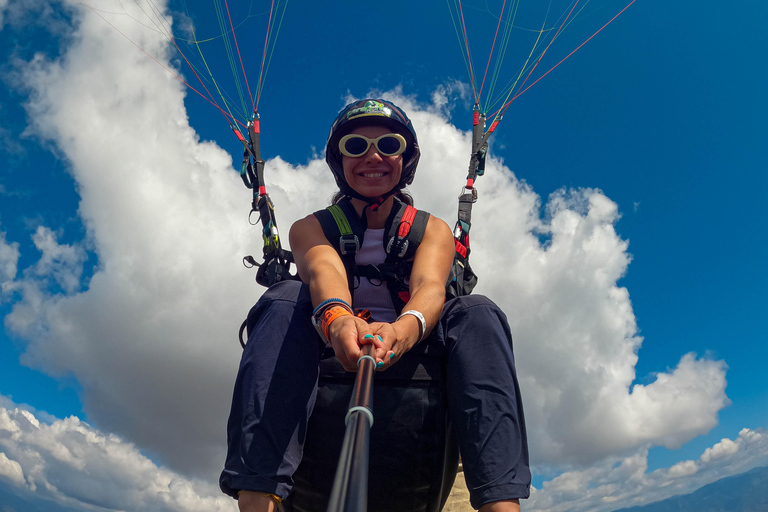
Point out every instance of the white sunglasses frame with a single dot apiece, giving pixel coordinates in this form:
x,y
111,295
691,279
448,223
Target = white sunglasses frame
x,y
375,142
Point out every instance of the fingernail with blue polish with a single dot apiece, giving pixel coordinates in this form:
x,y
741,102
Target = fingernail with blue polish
x,y
380,339
391,356
368,336
379,364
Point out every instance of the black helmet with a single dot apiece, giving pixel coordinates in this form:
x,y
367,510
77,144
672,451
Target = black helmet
x,y
367,112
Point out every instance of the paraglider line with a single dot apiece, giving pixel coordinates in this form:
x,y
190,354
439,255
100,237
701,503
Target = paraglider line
x,y
238,54
506,105
469,57
547,48
226,116
482,84
169,35
264,55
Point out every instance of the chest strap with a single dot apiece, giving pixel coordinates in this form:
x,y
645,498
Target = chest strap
x,y
404,231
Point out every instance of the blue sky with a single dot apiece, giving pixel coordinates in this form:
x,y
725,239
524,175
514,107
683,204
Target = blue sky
x,y
662,114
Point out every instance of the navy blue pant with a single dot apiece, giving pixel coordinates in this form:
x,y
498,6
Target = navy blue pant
x,y
277,383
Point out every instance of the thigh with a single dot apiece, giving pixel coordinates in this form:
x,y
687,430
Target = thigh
x,y
484,399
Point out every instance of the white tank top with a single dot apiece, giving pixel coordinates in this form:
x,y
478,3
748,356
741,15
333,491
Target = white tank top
x,y
374,296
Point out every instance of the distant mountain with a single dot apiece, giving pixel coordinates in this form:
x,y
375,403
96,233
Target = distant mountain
x,y
747,492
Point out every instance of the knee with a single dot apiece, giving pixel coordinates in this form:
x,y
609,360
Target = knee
x,y
474,314
290,294
467,303
291,291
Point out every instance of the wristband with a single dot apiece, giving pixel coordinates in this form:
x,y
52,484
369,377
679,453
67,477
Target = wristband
x,y
331,314
327,302
420,318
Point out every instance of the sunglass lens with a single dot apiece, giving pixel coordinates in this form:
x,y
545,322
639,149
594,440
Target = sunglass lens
x,y
388,145
356,146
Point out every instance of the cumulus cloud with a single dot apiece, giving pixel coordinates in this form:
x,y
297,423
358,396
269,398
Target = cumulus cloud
x,y
152,338
11,470
623,482
9,260
3,7
71,463
61,263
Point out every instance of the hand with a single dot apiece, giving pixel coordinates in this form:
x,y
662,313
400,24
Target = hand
x,y
394,343
347,336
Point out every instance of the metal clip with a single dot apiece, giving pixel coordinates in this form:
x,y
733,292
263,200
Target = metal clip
x,y
349,245
465,193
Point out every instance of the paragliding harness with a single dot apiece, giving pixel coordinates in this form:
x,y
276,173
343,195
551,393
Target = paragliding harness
x,y
277,261
462,279
403,233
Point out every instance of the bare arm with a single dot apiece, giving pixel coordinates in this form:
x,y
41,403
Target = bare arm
x,y
321,268
431,267
318,262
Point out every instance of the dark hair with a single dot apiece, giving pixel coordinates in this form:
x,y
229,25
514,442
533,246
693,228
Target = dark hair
x,y
402,194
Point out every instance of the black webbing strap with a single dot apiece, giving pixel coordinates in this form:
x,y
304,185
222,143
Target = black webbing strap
x,y
344,229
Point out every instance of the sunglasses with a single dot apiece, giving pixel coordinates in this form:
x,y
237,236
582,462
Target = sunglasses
x,y
389,144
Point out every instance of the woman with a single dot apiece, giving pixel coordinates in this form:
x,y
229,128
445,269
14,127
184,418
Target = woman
x,y
373,152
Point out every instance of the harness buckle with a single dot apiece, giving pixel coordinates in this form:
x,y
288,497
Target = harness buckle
x,y
403,247
349,244
468,196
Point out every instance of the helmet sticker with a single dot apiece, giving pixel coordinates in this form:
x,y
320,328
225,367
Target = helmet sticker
x,y
371,108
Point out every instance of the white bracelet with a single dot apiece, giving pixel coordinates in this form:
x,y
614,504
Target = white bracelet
x,y
420,318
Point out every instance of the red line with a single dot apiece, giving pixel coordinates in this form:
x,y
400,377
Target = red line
x,y
169,35
226,115
264,56
567,56
469,58
550,44
238,55
492,47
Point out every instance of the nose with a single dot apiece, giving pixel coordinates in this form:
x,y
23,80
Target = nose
x,y
373,154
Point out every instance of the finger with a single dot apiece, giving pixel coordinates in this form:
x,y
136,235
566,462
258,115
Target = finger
x,y
382,348
370,339
388,360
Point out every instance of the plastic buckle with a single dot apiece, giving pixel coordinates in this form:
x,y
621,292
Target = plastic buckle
x,y
403,247
349,244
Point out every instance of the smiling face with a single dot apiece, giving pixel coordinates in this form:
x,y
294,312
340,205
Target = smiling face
x,y
372,174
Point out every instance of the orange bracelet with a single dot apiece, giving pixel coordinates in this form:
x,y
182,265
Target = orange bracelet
x,y
331,314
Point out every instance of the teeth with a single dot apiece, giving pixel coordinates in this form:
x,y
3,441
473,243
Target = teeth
x,y
373,175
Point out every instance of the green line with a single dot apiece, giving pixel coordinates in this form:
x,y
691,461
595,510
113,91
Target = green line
x,y
272,51
459,38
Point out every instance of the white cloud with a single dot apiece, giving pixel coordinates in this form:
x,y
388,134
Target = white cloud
x,y
723,449
152,339
618,483
9,260
71,463
11,470
3,7
62,263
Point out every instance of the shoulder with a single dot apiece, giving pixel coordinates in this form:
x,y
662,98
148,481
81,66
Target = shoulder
x,y
306,230
438,228
310,222
437,235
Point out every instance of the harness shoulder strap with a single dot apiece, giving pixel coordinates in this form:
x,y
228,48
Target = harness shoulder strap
x,y
342,227
345,230
405,230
